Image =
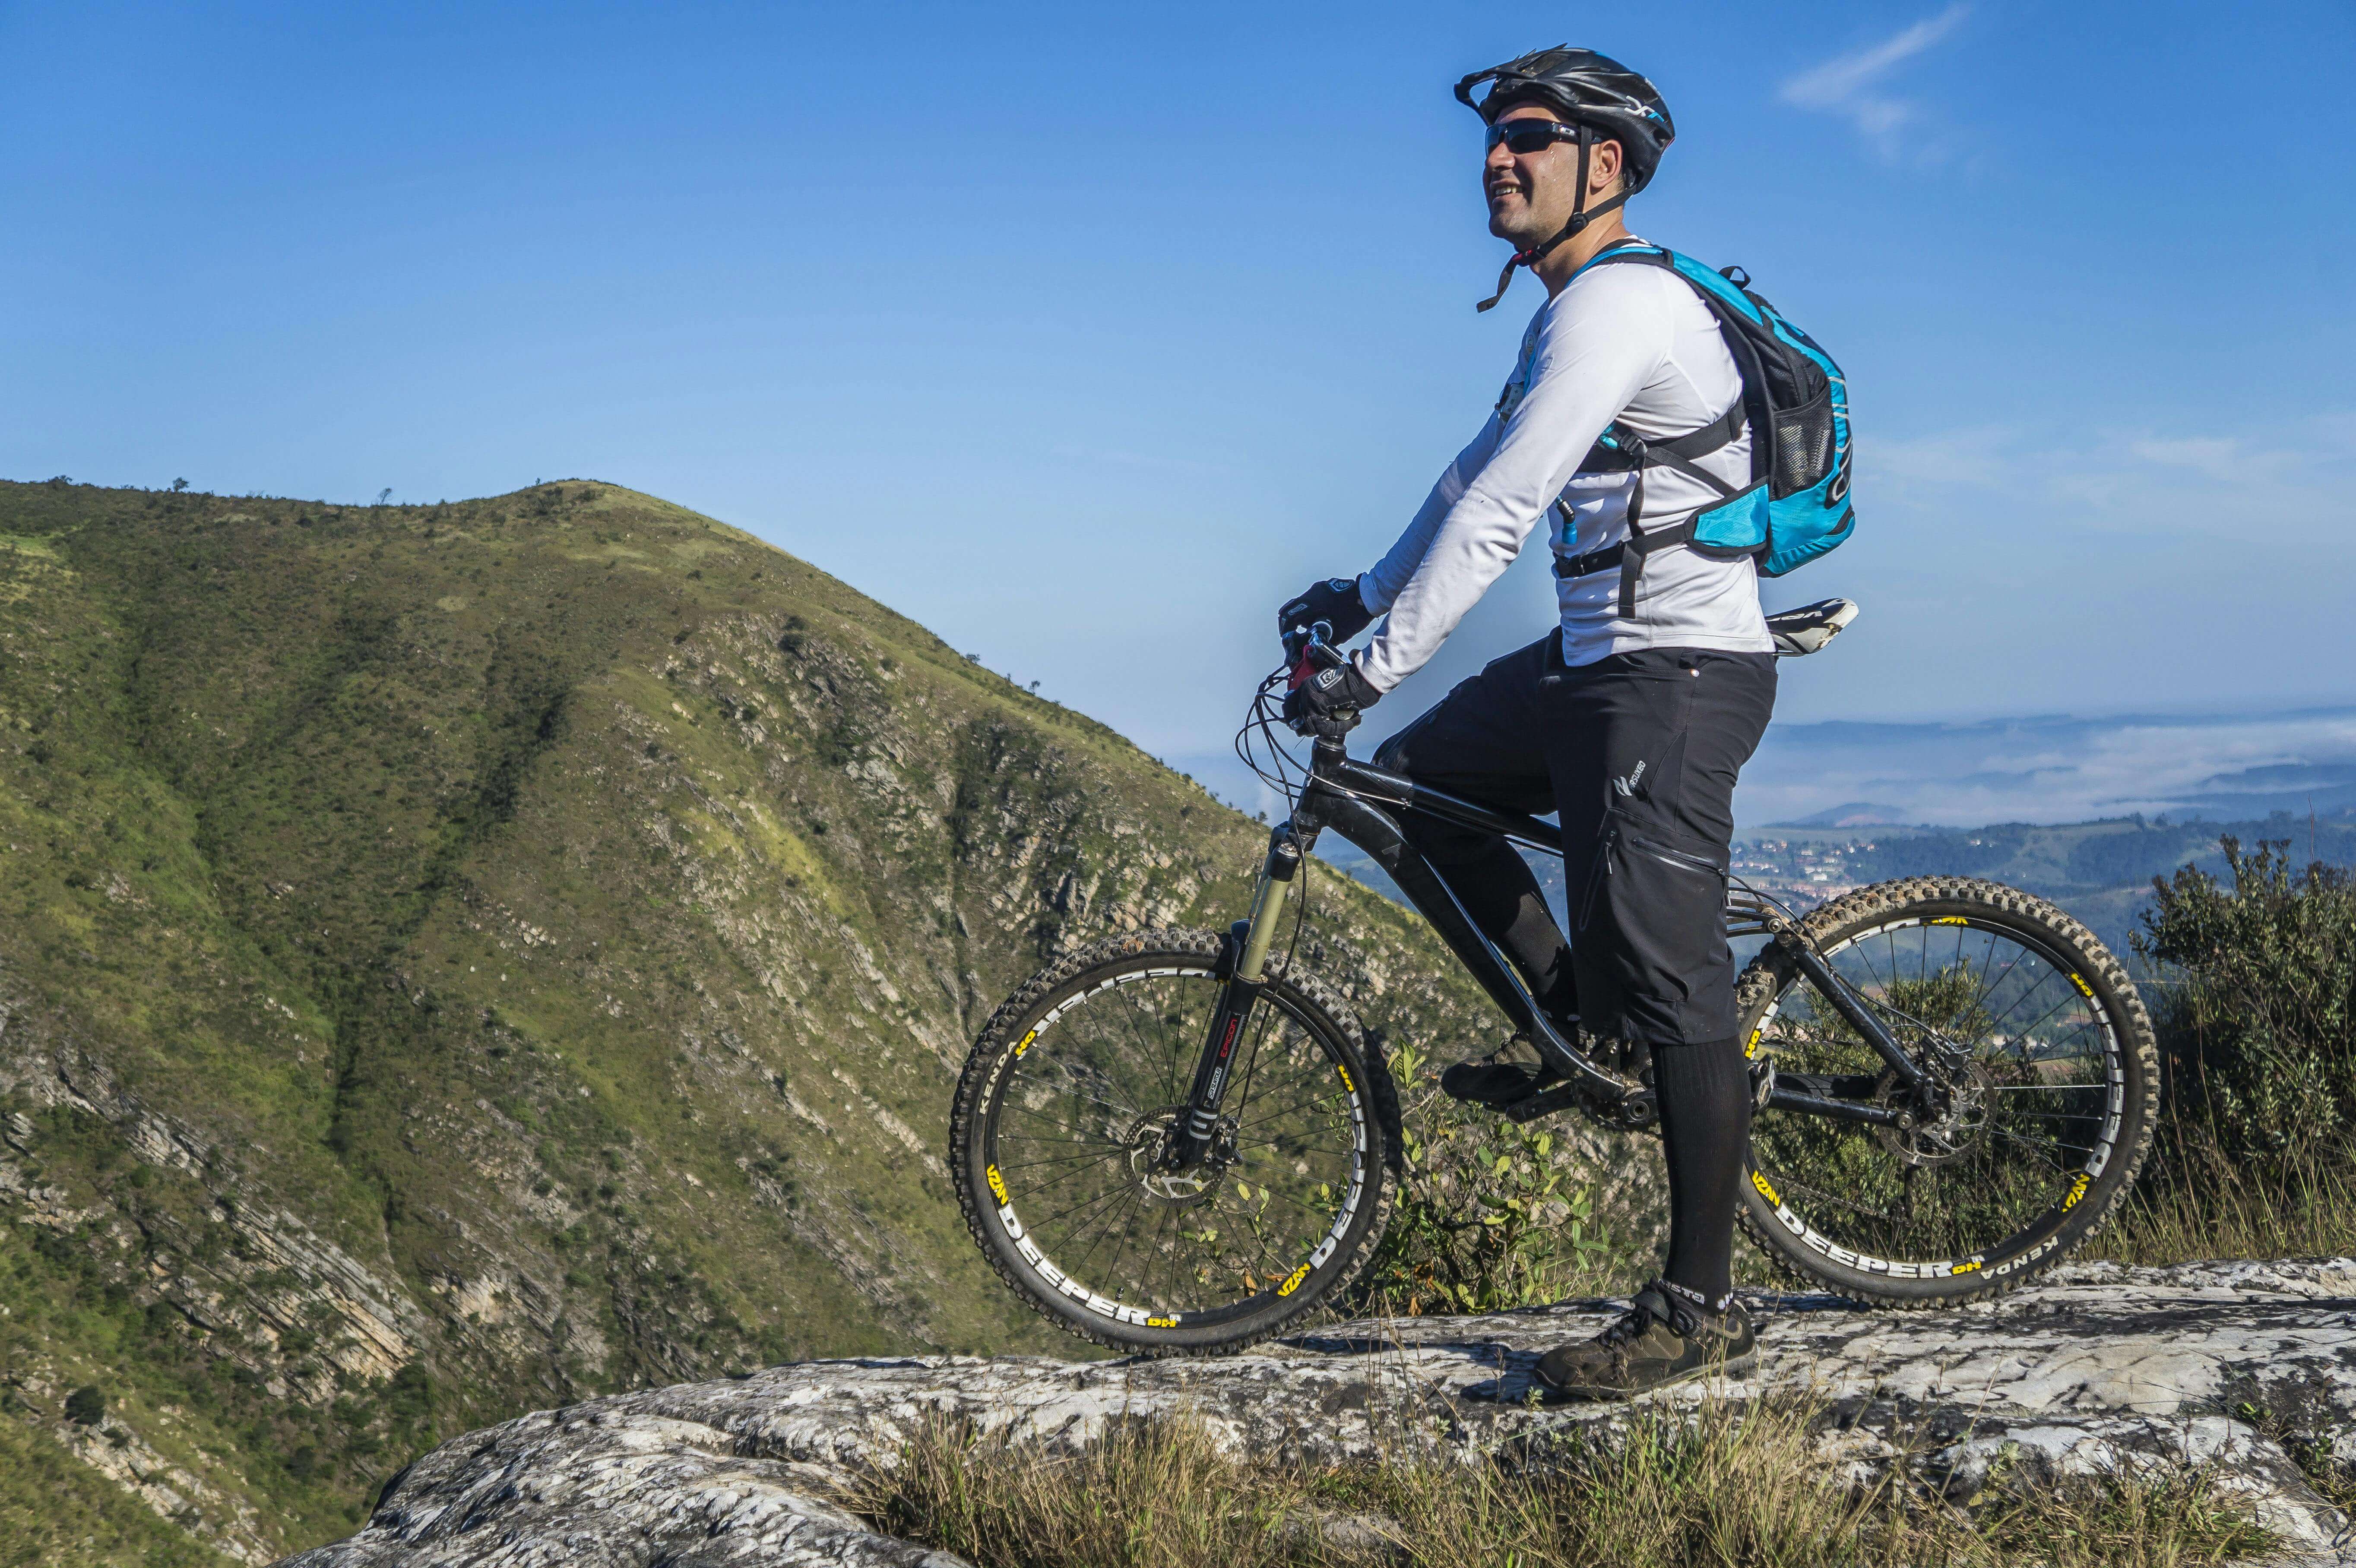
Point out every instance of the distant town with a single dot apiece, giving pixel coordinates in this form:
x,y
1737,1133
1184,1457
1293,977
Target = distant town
x,y
1804,870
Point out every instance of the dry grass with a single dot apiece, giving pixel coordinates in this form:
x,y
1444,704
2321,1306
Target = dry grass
x,y
1721,1487
2199,1204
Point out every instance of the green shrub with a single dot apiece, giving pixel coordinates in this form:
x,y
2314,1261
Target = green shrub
x,y
1484,1220
2257,1004
86,1406
2254,996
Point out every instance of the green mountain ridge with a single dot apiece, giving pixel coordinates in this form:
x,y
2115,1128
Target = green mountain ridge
x,y
456,959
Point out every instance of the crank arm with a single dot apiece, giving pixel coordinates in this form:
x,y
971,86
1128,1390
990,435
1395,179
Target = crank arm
x,y
1567,1059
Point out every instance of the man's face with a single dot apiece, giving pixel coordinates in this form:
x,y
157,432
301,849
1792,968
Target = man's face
x,y
1532,195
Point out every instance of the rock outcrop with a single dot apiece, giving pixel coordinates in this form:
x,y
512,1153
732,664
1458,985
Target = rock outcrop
x,y
2235,1366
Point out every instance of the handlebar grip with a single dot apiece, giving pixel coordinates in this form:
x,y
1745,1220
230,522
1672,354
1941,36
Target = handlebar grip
x,y
1315,654
1297,640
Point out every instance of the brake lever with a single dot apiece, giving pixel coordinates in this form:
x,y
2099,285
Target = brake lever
x,y
1316,654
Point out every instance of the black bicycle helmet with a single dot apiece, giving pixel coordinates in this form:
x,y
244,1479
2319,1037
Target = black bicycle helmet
x,y
1584,88
1605,99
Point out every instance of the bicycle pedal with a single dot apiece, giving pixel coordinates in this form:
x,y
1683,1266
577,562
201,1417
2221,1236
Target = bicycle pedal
x,y
1545,1103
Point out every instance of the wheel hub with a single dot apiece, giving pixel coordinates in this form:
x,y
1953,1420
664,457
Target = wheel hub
x,y
1149,1141
1936,1139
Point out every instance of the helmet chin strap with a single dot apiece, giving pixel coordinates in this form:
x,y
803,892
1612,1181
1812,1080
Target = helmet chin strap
x,y
1581,215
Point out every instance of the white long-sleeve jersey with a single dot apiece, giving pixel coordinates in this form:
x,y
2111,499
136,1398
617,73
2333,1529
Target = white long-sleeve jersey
x,y
1625,342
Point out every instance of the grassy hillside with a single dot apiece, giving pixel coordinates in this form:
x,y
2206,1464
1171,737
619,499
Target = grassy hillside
x,y
456,959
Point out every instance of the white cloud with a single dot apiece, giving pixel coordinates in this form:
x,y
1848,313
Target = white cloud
x,y
2293,483
1850,85
2226,459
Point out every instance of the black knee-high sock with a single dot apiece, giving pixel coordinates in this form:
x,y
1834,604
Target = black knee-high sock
x,y
1705,1097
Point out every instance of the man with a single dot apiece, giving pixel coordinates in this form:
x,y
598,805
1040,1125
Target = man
x,y
1633,718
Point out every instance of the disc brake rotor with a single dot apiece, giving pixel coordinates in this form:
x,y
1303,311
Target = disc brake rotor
x,y
1149,1138
1948,1136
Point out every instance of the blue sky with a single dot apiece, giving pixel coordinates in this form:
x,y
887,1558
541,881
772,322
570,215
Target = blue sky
x,y
1085,335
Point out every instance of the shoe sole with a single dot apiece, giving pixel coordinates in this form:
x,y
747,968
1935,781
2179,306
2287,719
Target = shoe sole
x,y
1507,1102
1591,1394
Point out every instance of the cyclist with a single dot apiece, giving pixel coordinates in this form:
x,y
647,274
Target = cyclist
x,y
1632,718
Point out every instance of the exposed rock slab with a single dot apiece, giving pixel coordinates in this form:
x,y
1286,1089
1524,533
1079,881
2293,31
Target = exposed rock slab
x,y
2103,1367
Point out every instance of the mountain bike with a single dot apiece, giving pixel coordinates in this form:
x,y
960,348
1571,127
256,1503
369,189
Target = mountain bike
x,y
1179,1142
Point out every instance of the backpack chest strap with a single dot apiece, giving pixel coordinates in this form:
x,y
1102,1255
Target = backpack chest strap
x,y
1632,453
1628,555
1622,451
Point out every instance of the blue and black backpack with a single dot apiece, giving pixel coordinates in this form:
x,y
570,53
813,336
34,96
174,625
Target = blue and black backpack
x,y
1795,401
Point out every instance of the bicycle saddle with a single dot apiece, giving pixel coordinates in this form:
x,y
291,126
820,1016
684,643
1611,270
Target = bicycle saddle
x,y
1809,627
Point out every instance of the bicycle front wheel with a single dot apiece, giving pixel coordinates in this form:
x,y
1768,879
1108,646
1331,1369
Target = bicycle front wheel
x,y
2055,1093
1063,1113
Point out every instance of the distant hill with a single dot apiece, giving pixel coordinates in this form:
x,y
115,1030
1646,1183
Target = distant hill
x,y
2100,871
2296,789
1856,814
457,959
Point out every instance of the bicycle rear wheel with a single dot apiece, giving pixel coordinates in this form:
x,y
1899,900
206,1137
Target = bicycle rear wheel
x,y
1061,1117
2057,1091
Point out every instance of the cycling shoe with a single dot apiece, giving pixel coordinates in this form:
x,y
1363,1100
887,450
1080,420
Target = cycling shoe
x,y
1498,1078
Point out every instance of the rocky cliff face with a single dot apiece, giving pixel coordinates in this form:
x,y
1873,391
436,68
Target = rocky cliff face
x,y
2102,1366
465,958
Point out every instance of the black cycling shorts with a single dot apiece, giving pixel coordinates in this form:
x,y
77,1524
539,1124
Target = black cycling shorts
x,y
1639,754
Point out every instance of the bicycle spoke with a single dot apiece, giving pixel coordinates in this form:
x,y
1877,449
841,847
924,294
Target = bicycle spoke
x,y
1004,1169
1129,1198
1835,1199
2002,975
1999,1020
1077,1143
1112,1267
1126,1112
1333,1097
1073,1209
2041,1143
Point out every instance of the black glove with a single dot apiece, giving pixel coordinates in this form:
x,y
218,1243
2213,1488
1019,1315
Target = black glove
x,y
1328,702
1335,603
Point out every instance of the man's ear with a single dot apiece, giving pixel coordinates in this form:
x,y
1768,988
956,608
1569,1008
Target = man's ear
x,y
1604,168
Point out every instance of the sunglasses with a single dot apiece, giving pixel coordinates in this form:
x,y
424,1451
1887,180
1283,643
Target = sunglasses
x,y
1523,137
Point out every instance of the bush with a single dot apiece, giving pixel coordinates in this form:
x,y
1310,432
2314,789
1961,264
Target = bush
x,y
2255,1001
2257,1018
1485,1220
86,1406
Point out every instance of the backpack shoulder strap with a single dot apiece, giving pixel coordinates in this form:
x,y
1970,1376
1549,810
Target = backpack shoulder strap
x,y
1629,250
1622,449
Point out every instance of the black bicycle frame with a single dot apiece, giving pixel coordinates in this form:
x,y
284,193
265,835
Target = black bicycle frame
x,y
1358,801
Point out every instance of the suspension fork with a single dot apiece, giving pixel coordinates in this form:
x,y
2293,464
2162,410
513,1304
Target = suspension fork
x,y
1246,963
